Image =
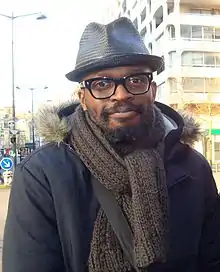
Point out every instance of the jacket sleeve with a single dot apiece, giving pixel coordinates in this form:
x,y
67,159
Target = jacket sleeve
x,y
209,260
31,240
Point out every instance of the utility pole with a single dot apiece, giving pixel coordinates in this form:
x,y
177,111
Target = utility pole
x,y
14,138
12,18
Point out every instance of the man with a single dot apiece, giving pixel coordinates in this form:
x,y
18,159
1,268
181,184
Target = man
x,y
136,151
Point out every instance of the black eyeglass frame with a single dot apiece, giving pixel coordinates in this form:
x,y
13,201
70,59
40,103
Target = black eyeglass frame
x,y
118,81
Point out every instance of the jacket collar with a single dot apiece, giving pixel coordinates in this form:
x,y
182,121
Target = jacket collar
x,y
54,124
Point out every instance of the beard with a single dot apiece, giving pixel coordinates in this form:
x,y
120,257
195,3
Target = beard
x,y
125,134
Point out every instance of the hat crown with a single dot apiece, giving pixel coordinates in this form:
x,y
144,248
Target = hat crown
x,y
107,46
117,38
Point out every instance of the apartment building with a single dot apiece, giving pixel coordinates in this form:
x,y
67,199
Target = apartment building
x,y
187,35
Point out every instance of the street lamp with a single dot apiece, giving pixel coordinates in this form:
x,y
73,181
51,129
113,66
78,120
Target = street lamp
x,y
12,18
32,114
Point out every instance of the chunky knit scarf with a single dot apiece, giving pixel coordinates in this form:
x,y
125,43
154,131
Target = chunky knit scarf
x,y
138,182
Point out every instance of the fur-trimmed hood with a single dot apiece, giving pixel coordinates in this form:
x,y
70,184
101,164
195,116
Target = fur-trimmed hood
x,y
54,123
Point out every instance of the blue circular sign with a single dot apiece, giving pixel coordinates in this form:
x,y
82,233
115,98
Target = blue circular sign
x,y
6,163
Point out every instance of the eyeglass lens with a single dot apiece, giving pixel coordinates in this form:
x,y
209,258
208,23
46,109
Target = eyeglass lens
x,y
105,87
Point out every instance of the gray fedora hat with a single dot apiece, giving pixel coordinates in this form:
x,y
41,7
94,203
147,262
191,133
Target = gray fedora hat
x,y
106,46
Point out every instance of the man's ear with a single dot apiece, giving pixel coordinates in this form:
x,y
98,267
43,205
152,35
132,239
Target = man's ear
x,y
154,90
81,95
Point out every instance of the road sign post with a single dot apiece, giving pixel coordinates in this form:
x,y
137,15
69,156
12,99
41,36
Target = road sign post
x,y
6,164
13,133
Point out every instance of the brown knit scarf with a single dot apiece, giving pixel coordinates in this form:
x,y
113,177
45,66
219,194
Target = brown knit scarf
x,y
138,182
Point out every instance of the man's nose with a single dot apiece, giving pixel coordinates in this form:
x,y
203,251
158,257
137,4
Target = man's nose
x,y
121,94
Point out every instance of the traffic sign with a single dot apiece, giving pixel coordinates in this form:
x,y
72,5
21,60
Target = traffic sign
x,y
6,163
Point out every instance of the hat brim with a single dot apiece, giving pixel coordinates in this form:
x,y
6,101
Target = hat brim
x,y
151,61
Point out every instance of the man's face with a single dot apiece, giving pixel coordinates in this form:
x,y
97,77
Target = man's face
x,y
123,115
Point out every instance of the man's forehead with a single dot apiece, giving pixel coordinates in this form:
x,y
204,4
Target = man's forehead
x,y
119,71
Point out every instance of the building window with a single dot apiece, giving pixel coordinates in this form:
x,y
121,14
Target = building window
x,y
172,57
212,85
201,11
209,59
217,59
200,59
193,84
159,16
150,47
201,85
199,32
135,22
196,32
170,8
162,68
173,85
197,59
151,28
208,32
149,5
171,31
160,92
216,11
185,31
194,59
217,33
196,11
143,32
143,15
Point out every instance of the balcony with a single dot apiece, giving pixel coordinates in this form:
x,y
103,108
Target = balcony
x,y
199,19
175,71
213,98
188,18
203,3
209,72
193,89
200,45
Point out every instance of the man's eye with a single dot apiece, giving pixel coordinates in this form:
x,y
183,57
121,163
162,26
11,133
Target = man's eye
x,y
101,84
135,80
138,80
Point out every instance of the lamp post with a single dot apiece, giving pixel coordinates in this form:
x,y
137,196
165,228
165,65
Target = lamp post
x,y
32,117
32,114
12,18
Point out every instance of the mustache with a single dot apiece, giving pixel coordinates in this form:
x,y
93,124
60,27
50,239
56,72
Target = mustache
x,y
123,107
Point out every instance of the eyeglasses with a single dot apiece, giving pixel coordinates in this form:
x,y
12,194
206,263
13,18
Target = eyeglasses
x,y
105,87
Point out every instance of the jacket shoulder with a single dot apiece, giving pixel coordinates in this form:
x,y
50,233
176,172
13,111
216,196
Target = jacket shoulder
x,y
43,152
184,152
201,168
51,154
51,163
199,159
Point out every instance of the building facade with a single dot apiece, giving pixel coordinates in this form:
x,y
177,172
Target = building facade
x,y
187,35
6,128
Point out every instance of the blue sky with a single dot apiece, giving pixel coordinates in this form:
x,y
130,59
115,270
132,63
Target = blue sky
x,y
44,50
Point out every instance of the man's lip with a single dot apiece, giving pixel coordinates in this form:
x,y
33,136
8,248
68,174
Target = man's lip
x,y
126,114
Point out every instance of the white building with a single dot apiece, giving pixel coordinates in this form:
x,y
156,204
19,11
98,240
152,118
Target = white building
x,y
188,37
187,34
